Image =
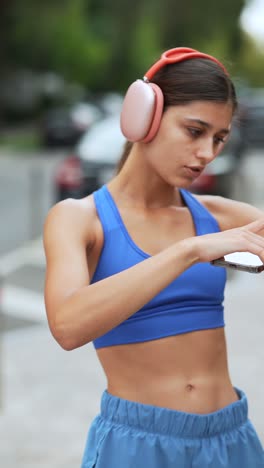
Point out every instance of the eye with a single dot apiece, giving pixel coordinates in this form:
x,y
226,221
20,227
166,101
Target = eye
x,y
195,132
219,140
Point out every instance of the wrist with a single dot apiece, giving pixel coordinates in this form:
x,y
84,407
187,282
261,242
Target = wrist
x,y
189,250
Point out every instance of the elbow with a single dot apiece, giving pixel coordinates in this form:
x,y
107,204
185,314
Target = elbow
x,y
66,337
66,342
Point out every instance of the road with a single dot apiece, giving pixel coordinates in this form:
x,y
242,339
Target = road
x,y
50,396
26,193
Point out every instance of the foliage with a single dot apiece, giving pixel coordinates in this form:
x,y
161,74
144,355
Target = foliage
x,y
104,44
251,64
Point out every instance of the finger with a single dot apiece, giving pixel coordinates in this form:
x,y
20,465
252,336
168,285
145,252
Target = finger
x,y
255,249
260,254
254,244
255,226
254,237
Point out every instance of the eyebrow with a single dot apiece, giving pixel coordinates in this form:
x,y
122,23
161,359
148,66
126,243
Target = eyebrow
x,y
207,125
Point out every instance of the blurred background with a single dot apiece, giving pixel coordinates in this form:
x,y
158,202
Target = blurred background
x,y
65,66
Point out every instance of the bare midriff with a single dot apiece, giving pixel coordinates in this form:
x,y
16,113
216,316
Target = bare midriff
x,y
187,372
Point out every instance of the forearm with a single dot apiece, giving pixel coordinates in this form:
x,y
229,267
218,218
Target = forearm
x,y
95,309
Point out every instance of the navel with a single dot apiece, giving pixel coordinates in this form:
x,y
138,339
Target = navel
x,y
190,387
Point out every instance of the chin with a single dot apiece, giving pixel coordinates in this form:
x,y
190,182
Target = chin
x,y
181,184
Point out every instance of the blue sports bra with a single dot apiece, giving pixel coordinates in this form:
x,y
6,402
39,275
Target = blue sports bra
x,y
193,301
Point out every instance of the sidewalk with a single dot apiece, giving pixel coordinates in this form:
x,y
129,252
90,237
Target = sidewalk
x,y
51,396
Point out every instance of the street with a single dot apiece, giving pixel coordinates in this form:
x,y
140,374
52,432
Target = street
x,y
26,193
49,396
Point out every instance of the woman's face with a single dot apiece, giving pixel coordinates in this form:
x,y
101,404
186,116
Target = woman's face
x,y
190,137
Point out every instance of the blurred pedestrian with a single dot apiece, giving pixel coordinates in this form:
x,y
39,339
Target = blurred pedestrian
x,y
129,268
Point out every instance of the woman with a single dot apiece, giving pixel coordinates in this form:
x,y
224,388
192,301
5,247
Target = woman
x,y
128,268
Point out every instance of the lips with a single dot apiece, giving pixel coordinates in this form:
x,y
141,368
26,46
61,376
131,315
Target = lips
x,y
193,171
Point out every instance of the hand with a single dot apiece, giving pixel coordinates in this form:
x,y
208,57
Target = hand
x,y
247,238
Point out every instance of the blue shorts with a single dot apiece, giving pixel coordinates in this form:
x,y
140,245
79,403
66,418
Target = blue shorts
x,y
131,435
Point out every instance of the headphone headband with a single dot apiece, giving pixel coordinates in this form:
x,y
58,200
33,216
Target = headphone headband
x,y
179,54
144,101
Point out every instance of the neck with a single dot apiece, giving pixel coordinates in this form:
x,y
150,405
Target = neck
x,y
138,181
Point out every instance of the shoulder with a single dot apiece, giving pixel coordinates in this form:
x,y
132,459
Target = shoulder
x,y
230,213
70,219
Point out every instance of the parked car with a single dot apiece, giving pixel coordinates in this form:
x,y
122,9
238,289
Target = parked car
x,y
63,126
110,103
20,94
96,156
252,119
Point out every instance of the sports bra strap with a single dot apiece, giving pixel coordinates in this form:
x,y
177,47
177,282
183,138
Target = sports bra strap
x,y
201,215
106,209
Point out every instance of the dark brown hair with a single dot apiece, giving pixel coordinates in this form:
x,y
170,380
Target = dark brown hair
x,y
191,80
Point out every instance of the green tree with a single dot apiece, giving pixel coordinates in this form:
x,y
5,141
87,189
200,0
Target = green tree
x,y
138,35
4,33
210,26
105,45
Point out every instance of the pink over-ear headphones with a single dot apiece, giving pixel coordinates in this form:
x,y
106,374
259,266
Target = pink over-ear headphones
x,y
143,104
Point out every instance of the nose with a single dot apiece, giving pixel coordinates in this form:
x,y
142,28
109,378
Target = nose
x,y
205,150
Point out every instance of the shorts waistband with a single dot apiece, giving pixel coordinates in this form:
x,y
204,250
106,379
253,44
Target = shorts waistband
x,y
171,422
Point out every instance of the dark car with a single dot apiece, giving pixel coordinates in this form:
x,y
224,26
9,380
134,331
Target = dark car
x,y
252,119
96,156
63,126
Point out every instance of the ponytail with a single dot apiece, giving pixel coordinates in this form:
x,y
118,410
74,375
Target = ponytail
x,y
127,148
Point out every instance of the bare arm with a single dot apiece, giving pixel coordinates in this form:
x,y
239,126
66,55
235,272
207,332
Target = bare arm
x,y
230,213
79,312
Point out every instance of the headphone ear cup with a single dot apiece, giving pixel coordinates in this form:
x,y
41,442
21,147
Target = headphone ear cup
x,y
139,121
157,114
